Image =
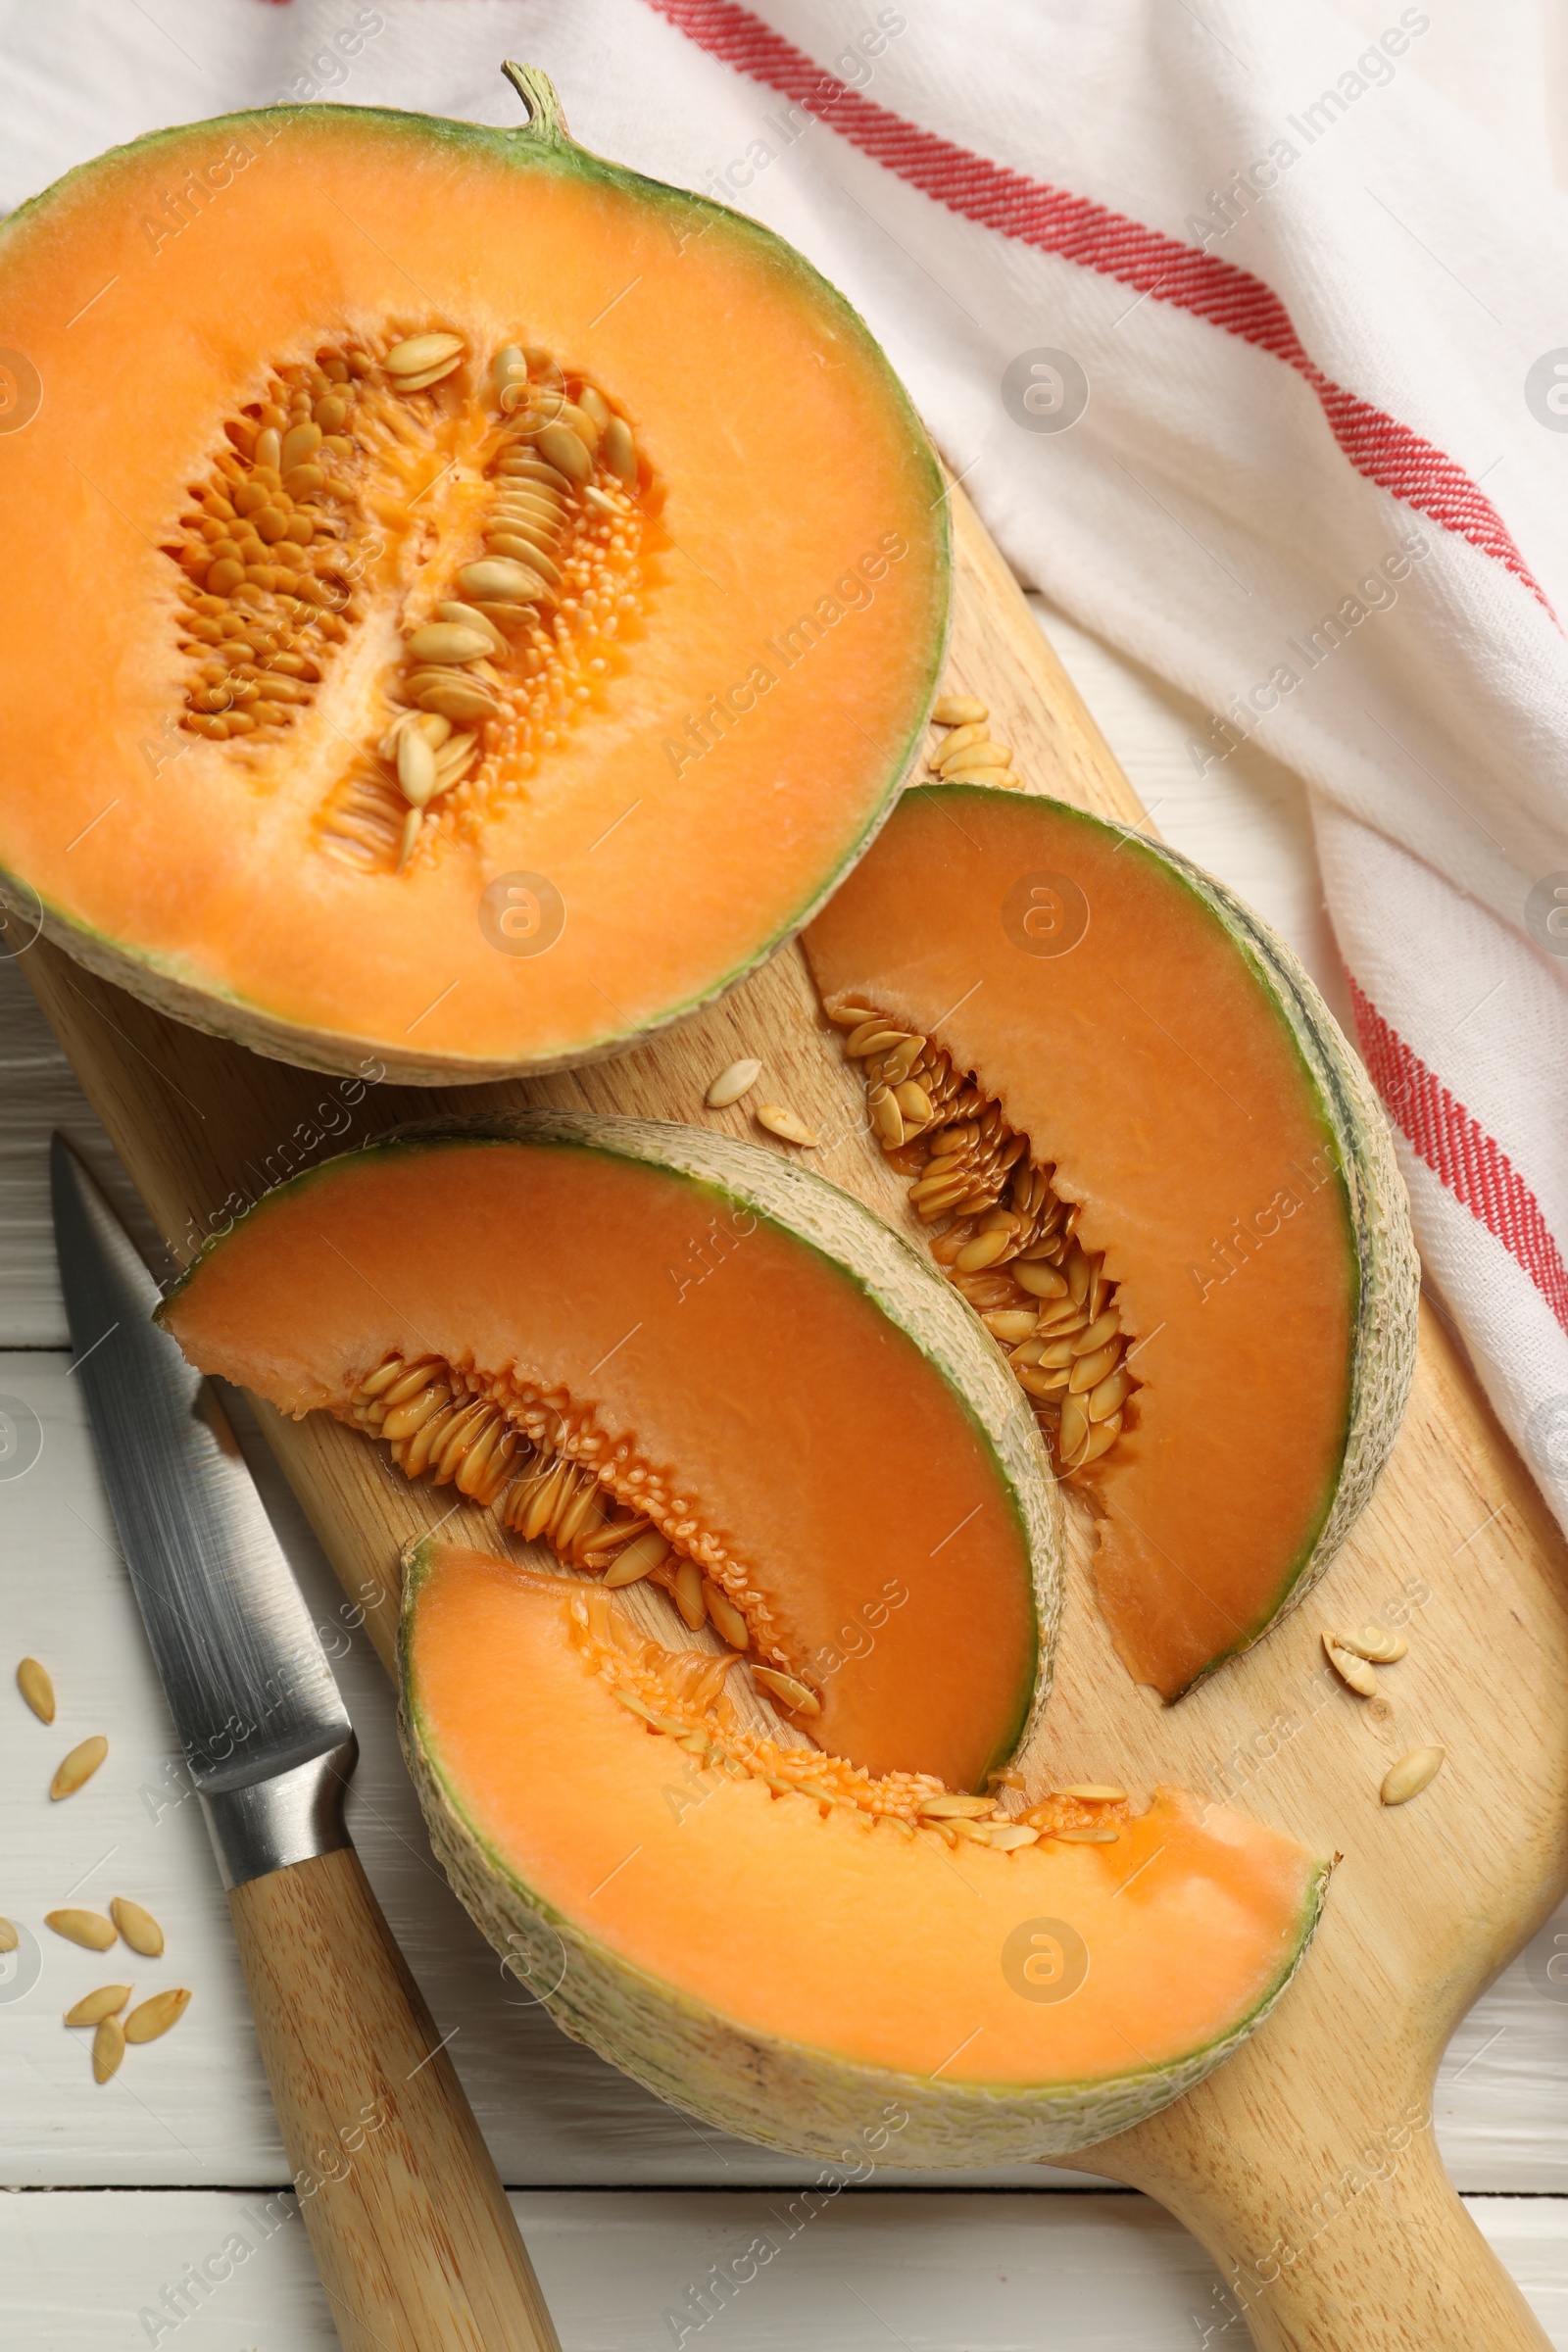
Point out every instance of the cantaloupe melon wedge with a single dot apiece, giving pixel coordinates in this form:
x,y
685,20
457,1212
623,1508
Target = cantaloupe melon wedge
x,y
788,1878
646,1340
491,596
778,1959
1151,1161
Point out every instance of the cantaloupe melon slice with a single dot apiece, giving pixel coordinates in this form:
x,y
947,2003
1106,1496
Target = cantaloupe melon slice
x,y
1151,1160
792,1884
793,1953
491,596
669,1351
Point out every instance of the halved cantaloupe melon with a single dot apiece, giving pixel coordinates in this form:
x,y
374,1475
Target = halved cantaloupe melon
x,y
761,1875
670,1353
496,601
807,1959
1151,1160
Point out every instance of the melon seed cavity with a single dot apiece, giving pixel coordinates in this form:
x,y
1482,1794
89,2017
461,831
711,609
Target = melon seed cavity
x,y
497,504
1002,1233
684,1696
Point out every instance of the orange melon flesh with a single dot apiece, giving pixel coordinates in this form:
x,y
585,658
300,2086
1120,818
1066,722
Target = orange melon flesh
x,y
1149,1064
796,487
853,1941
796,1421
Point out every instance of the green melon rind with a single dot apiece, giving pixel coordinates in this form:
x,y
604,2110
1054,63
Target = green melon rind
x,y
1387,1272
806,2102
859,1248
174,985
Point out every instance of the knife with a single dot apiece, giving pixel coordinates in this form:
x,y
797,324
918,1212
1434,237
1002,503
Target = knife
x,y
408,2220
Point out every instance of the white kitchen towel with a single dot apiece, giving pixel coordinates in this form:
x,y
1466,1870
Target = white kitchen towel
x,y
1250,345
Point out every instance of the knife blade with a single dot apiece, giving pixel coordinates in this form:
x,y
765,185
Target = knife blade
x,y
407,2218
265,1737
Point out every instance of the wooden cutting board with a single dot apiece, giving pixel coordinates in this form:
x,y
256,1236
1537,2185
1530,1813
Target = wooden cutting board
x,y
1308,2165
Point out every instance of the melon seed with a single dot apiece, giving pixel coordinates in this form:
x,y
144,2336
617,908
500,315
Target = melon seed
x,y
155,2017
620,451
1373,1643
959,741
419,354
1412,1775
94,2007
641,1556
79,1766
788,1690
1352,1670
108,2048
779,1121
731,1083
138,1927
501,580
1094,1793
728,1623
415,775
956,1806
33,1681
444,641
689,1595
560,447
89,1928
958,710
1007,1836
1084,1837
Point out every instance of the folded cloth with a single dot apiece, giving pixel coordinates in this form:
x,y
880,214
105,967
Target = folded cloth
x,y
1247,344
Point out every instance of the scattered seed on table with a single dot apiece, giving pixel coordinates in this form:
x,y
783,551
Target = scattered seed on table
x,y
155,2017
138,1927
1412,1775
89,1928
729,1085
108,2048
79,1766
94,2007
33,1681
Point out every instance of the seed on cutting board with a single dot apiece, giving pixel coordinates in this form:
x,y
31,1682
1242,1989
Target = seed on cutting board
x,y
79,1766
959,710
1412,1775
1094,1793
94,2007
138,1927
9,1936
108,2048
779,1121
1373,1643
155,2017
731,1083
89,1928
33,1681
1351,1669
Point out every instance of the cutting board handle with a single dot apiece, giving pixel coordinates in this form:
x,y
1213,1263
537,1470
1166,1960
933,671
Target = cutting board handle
x,y
1384,2259
408,2220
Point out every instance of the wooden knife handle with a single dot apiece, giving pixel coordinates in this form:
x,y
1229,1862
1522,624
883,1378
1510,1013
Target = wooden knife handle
x,y
407,2218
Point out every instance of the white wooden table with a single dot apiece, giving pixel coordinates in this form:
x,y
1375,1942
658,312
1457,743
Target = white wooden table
x,y
172,2172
